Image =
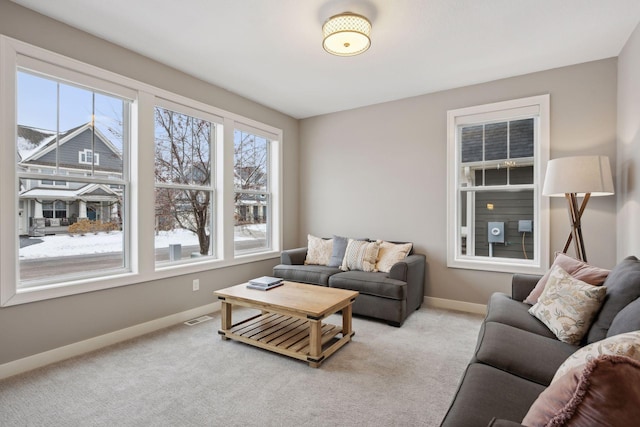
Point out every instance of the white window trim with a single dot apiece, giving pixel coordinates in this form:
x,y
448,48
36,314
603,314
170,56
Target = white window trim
x,y
141,256
497,111
82,157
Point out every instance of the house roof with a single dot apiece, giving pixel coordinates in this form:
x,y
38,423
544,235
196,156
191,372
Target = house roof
x,y
271,51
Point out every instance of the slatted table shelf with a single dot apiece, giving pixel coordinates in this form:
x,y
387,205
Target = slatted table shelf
x,y
291,319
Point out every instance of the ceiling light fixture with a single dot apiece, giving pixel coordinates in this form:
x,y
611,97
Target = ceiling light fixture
x,y
346,34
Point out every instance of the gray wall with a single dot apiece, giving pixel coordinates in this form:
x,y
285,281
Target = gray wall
x,y
380,171
628,183
36,327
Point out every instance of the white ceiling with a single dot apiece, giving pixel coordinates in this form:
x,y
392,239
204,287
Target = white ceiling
x,y
270,51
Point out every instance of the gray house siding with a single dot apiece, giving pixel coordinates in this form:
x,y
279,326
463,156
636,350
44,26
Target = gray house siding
x,y
68,154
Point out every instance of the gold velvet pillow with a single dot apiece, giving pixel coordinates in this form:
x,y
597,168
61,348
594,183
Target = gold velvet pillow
x,y
568,306
318,250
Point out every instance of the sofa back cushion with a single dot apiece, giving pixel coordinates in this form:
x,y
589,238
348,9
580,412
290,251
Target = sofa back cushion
x,y
627,320
623,287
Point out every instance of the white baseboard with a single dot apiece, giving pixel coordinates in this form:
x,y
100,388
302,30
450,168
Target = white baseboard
x,y
450,304
61,353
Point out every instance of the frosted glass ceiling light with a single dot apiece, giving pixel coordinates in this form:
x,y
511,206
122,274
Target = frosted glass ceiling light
x,y
346,34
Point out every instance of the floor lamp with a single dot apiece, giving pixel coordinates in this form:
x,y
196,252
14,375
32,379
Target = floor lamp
x,y
573,177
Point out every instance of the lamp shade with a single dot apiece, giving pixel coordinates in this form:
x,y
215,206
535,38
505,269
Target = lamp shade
x,y
346,34
580,175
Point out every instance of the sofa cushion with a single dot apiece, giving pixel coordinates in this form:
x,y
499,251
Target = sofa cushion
x,y
339,248
619,345
627,320
623,287
578,269
604,392
568,305
391,253
313,274
486,392
360,255
522,353
375,284
319,250
503,309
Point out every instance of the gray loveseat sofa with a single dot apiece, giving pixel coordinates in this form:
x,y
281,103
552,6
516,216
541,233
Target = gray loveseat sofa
x,y
387,296
517,356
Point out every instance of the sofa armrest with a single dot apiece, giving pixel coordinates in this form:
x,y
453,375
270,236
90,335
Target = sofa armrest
x,y
522,285
293,256
496,422
411,270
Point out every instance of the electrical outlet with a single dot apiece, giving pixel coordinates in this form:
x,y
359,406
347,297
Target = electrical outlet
x,y
196,285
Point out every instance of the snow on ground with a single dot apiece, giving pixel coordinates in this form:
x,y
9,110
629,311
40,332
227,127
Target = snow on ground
x,y
67,245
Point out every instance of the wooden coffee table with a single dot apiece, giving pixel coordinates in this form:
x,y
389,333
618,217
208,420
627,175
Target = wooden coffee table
x,y
291,319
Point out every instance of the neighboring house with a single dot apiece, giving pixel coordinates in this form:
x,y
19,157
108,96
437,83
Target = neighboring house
x,y
49,206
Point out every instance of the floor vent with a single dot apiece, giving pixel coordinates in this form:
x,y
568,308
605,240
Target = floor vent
x,y
198,320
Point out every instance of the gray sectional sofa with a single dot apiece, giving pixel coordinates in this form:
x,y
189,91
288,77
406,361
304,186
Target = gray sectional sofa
x,y
517,356
387,296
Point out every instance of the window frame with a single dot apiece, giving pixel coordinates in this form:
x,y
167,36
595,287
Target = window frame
x,y
535,106
216,135
268,192
141,257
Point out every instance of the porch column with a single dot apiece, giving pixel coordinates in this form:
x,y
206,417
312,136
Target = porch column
x,y
37,212
82,213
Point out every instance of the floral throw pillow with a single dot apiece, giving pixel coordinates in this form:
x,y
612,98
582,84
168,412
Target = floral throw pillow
x,y
318,250
618,345
567,306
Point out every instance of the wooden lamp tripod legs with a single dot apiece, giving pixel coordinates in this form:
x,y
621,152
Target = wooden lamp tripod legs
x,y
575,214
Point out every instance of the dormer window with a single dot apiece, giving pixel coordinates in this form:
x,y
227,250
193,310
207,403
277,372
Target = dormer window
x,y
86,157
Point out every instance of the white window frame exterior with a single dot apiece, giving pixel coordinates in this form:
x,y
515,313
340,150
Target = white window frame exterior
x,y
84,155
538,107
140,259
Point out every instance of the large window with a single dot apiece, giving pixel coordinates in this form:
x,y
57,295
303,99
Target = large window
x,y
498,220
57,118
252,194
184,193
117,182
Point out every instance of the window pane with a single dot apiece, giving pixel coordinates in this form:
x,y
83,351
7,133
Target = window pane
x,y
521,175
69,229
182,148
74,236
87,131
521,138
495,135
493,176
250,161
251,222
506,208
182,224
471,144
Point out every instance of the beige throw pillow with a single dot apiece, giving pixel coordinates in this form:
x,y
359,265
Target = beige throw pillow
x,y
567,305
619,345
360,255
578,269
390,253
318,250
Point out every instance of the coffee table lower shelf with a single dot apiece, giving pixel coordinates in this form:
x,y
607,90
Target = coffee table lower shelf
x,y
287,335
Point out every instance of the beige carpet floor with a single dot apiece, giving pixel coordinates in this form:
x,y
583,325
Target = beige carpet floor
x,y
188,376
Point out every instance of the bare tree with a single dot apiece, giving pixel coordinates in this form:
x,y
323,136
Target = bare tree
x,y
182,158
